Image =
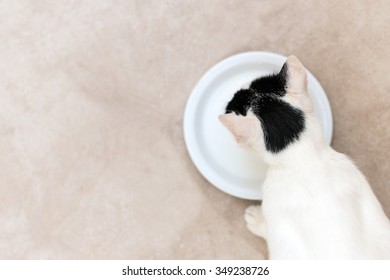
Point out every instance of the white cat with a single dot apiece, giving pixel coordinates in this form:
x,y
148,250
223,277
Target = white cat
x,y
316,203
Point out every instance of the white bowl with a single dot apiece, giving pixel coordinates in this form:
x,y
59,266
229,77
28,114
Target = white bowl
x,y
213,150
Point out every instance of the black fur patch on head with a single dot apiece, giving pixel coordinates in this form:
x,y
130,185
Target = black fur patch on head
x,y
272,84
240,102
282,123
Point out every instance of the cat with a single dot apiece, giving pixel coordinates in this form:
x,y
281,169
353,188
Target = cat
x,y
316,203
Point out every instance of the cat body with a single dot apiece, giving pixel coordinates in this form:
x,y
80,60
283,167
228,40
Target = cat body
x,y
316,203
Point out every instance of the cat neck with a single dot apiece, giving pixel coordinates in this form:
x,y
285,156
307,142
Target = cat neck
x,y
303,152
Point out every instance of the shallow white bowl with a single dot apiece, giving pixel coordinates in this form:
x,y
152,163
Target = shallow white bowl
x,y
211,147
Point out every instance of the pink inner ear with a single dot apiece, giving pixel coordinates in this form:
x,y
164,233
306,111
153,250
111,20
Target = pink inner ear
x,y
241,127
226,120
297,74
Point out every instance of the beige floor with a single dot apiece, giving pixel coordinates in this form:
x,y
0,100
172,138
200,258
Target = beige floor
x,y
93,163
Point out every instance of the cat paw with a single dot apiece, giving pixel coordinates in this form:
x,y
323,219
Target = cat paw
x,y
255,220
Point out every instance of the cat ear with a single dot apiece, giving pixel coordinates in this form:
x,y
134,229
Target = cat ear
x,y
242,128
297,76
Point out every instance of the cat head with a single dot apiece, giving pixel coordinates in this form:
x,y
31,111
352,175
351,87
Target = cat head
x,y
270,114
